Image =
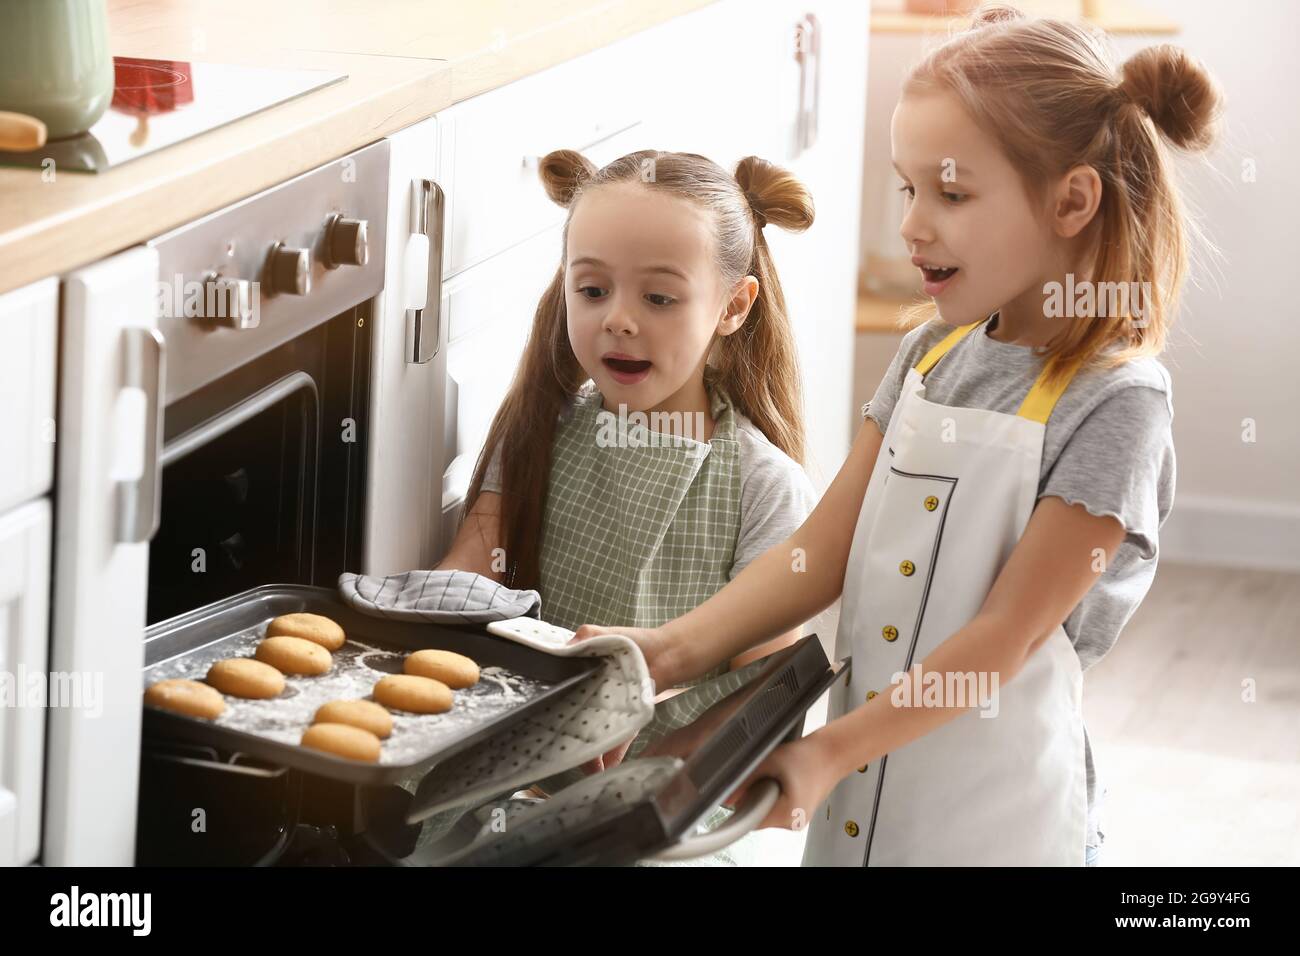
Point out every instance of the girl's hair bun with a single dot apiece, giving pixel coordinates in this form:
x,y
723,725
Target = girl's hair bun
x,y
563,172
774,194
991,13
1178,94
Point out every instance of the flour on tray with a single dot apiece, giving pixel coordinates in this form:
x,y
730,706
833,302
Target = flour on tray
x,y
356,668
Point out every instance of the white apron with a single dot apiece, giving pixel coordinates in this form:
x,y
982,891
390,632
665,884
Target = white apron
x,y
949,498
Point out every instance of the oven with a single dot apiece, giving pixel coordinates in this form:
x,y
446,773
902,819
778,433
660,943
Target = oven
x,y
267,314
267,311
250,398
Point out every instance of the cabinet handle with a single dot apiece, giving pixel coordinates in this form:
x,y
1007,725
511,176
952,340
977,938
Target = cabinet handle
x,y
808,51
428,215
139,502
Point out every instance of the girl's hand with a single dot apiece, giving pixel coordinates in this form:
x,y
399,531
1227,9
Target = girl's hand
x,y
611,758
801,769
651,640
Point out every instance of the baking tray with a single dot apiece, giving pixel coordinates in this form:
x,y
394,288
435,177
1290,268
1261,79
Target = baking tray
x,y
515,681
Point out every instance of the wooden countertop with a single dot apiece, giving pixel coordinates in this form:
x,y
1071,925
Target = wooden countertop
x,y
406,63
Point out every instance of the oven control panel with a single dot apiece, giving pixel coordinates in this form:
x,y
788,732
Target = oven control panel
x,y
247,278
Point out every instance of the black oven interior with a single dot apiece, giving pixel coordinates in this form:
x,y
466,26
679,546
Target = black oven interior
x,y
263,482
264,472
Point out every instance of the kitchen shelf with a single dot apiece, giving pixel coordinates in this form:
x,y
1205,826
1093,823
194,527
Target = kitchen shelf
x,y
883,313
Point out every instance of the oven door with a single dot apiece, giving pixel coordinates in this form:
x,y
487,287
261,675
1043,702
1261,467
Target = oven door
x,y
264,472
648,807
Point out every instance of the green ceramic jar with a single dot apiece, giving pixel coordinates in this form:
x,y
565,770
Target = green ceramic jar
x,y
55,63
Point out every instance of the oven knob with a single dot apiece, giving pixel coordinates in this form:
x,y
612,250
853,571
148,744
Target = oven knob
x,y
289,270
229,301
345,242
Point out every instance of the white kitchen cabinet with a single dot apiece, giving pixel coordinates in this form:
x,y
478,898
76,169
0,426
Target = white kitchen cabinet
x,y
110,430
819,268
29,321
730,88
785,81
403,506
596,104
24,634
490,311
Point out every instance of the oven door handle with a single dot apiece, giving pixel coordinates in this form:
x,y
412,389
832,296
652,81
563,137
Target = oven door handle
x,y
756,805
231,418
428,221
139,501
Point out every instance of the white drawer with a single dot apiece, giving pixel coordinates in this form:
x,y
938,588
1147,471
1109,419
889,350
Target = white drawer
x,y
24,629
594,104
29,321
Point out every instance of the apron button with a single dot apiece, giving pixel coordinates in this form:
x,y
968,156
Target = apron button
x,y
863,768
931,503
851,828
906,568
889,633
870,694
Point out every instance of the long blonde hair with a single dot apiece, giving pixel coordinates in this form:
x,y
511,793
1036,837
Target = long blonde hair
x,y
1047,91
756,365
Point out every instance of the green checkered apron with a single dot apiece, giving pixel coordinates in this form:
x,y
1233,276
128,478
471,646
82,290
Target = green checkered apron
x,y
640,528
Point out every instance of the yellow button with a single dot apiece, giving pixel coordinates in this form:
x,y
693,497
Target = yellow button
x,y
931,503
851,828
870,694
907,567
889,633
863,768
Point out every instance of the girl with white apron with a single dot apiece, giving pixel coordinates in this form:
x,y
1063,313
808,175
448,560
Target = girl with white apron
x,y
949,497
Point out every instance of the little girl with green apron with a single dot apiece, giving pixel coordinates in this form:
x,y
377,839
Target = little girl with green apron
x,y
667,306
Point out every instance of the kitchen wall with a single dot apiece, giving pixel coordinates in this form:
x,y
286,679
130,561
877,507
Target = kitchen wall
x,y
1234,355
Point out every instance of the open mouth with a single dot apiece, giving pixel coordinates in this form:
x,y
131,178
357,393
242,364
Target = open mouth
x,y
936,279
627,370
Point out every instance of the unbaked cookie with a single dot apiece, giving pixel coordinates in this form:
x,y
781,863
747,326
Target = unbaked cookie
x,y
245,677
454,670
187,697
310,627
365,714
343,740
294,655
419,695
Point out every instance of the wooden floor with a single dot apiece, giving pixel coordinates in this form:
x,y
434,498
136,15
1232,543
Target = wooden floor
x,y
1198,773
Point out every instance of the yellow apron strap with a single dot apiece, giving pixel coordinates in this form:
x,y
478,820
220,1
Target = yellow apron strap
x,y
1042,398
942,347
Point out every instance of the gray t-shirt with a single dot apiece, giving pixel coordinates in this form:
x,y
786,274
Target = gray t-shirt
x,y
775,493
1108,446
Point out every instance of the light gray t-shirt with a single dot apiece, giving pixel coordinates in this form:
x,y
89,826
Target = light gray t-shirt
x,y
775,493
1108,446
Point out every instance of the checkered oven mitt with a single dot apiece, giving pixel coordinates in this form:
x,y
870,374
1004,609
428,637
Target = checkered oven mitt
x,y
438,597
608,706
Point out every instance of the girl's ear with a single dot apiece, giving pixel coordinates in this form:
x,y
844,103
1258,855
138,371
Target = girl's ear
x,y
1075,201
738,306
